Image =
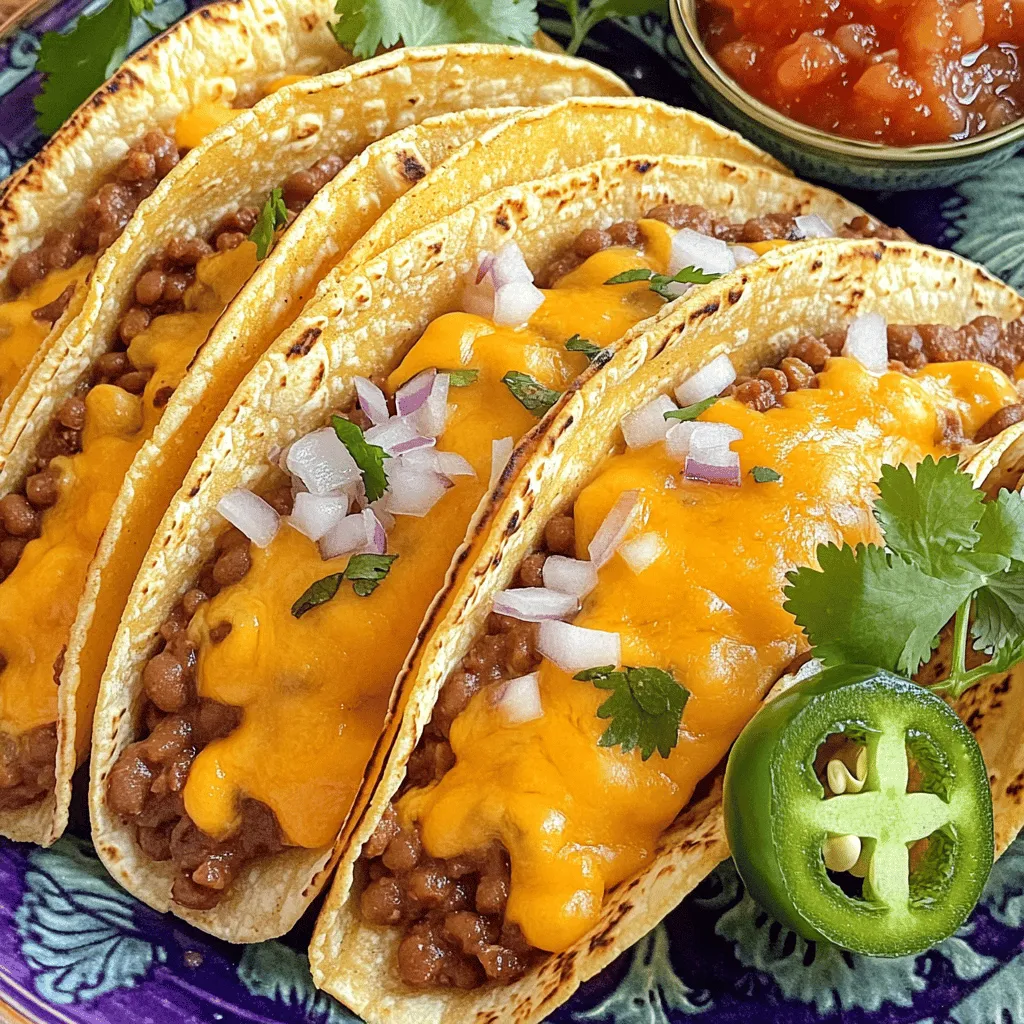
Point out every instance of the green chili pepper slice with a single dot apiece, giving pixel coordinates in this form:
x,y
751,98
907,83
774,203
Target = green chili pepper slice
x,y
779,817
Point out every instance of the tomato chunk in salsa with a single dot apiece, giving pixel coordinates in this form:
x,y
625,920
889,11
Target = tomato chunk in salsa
x,y
903,72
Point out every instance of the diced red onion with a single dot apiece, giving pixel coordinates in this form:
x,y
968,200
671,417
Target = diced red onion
x,y
810,225
347,536
453,464
478,299
685,437
519,699
509,267
713,466
414,392
613,530
249,513
867,342
322,462
575,648
485,265
413,444
647,425
743,255
376,535
501,452
642,552
516,302
431,417
384,517
569,575
702,252
397,431
313,515
413,492
707,382
372,400
535,604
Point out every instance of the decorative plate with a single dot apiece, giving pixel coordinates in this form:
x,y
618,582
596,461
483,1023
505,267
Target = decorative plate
x,y
77,949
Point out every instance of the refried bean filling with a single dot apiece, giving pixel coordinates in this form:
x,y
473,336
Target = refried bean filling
x,y
146,784
27,761
452,912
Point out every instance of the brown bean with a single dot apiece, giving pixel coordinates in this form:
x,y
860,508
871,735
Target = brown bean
x,y
232,566
42,489
560,535
381,902
110,366
1000,421
531,572
133,323
134,382
811,351
191,601
776,380
166,682
72,414
386,830
53,311
626,232
798,374
10,552
175,286
138,165
187,252
128,784
19,518
403,852
591,241
228,240
149,289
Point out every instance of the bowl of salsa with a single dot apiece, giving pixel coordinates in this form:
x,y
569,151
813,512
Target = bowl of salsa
x,y
884,94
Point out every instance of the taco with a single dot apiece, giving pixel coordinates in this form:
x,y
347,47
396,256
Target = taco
x,y
119,401
522,836
467,353
63,208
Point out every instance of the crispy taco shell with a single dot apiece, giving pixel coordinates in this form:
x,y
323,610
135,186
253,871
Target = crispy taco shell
x,y
363,327
752,315
345,113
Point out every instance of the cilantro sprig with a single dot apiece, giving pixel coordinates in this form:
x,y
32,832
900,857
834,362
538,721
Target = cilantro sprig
x,y
645,708
691,412
948,555
273,215
78,62
577,343
766,475
368,457
530,393
364,26
365,572
661,283
461,378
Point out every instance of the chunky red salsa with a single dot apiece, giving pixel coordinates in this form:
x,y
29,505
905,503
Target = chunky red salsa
x,y
903,72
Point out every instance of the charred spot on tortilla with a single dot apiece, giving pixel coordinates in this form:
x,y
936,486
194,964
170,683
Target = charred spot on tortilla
x,y
643,166
411,168
513,524
304,343
435,248
502,221
816,265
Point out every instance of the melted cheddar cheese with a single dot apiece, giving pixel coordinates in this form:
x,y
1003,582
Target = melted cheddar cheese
x,y
578,818
192,126
21,334
39,600
314,690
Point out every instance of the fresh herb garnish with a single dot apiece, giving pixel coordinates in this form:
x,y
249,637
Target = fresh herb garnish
x,y
78,62
461,378
531,394
691,412
946,551
580,344
585,17
765,475
365,572
365,26
368,457
273,215
661,283
646,707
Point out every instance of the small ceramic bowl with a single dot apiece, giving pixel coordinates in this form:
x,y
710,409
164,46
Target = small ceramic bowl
x,y
812,153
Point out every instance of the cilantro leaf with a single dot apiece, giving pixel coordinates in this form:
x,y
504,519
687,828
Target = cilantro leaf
x,y
871,607
364,26
765,475
1002,526
662,283
691,412
579,344
273,215
365,572
461,378
531,394
645,708
928,515
317,593
78,62
368,457
999,610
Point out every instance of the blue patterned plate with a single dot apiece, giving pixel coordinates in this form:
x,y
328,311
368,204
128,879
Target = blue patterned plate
x,y
77,949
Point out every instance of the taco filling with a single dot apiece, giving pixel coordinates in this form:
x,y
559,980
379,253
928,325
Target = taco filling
x,y
42,282
658,595
271,684
50,528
